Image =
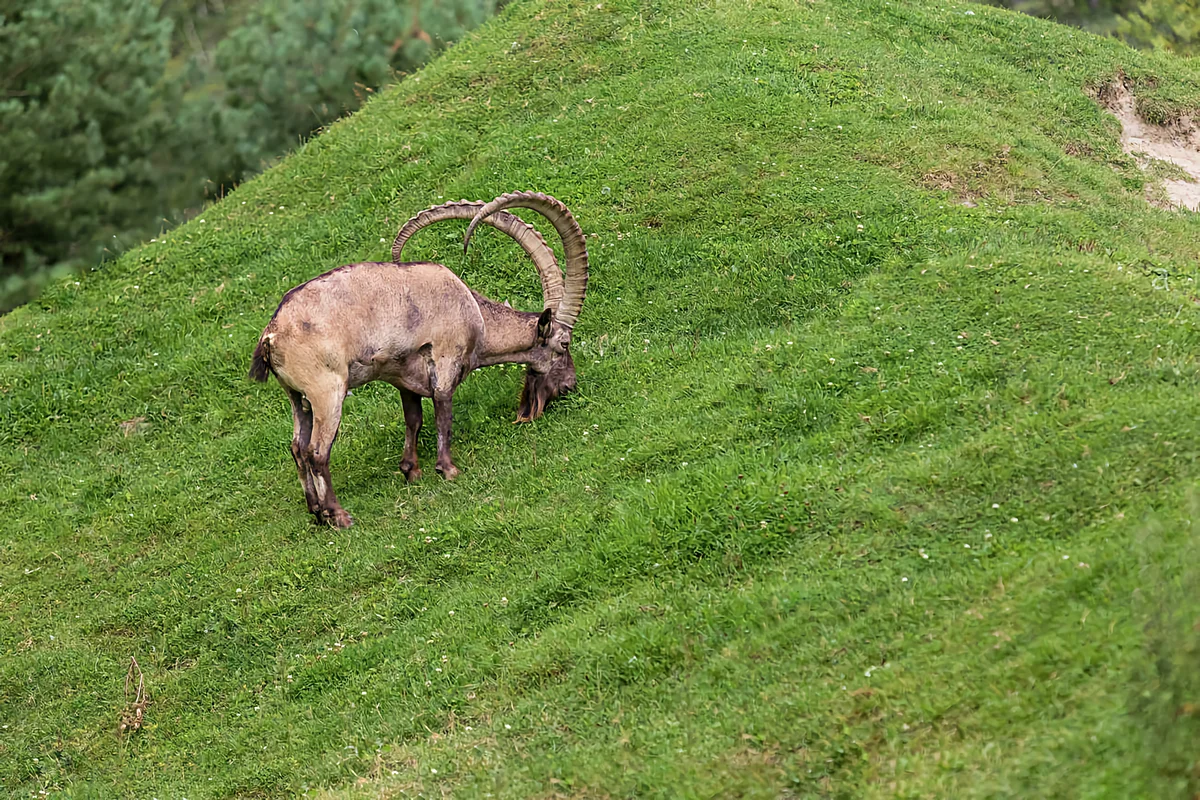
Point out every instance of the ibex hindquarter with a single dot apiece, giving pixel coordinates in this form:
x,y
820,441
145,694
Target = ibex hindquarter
x,y
418,327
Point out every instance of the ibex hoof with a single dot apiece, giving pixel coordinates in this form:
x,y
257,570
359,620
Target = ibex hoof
x,y
337,517
411,472
521,419
449,472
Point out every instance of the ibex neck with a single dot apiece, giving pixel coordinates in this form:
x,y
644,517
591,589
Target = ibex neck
x,y
508,334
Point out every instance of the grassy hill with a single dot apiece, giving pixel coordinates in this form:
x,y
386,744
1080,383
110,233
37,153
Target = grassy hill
x,y
880,480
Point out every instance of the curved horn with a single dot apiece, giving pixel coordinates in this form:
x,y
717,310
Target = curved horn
x,y
522,232
574,245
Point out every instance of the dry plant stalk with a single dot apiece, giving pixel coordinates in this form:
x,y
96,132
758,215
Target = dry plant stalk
x,y
135,712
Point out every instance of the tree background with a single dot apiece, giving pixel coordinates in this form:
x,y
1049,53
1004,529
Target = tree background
x,y
120,118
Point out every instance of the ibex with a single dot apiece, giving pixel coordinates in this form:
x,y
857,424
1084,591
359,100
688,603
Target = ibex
x,y
418,327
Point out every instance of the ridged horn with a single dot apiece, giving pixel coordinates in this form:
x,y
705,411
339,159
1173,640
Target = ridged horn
x,y
574,245
522,232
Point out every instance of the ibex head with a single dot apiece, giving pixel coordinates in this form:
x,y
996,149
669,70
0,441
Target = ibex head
x,y
551,370
546,380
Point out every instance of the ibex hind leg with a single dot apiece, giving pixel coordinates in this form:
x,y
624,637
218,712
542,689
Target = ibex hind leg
x,y
412,427
327,416
302,426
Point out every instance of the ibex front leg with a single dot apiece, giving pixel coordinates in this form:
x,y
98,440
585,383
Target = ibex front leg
x,y
443,409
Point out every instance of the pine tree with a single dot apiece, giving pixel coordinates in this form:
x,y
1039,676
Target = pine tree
x,y
81,108
1167,24
295,66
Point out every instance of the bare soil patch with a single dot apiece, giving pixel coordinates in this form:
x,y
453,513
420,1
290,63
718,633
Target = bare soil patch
x,y
1177,143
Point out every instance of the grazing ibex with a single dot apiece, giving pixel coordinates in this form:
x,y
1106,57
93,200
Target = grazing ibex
x,y
419,328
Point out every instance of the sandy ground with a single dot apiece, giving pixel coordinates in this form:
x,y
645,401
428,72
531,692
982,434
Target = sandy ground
x,y
1179,144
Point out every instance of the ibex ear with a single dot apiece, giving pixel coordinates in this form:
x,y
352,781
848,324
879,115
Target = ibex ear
x,y
543,326
507,304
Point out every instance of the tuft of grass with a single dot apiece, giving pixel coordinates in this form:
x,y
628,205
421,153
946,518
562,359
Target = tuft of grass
x,y
879,480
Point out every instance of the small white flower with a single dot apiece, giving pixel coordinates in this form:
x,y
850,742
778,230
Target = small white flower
x,y
508,727
1066,558
1014,519
904,580
995,505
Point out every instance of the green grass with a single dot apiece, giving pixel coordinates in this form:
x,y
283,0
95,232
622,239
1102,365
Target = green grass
x,y
866,492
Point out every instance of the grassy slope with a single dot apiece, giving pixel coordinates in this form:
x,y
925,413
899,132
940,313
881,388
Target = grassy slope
x,y
865,493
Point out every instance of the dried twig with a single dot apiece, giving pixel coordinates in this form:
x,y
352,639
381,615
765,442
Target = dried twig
x,y
135,712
